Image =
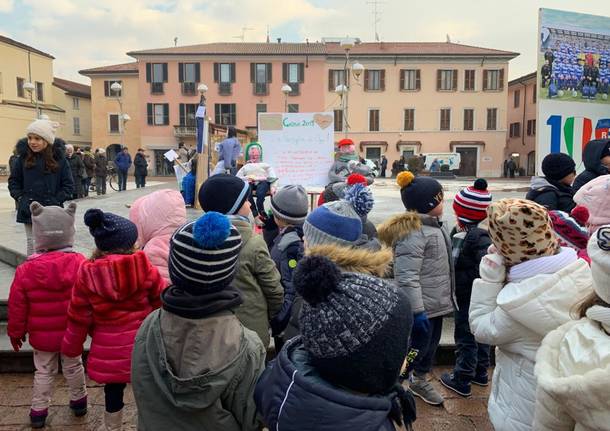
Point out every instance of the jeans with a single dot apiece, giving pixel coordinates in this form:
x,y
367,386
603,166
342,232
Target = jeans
x,y
140,181
423,362
113,396
46,364
29,239
261,188
86,184
100,185
472,358
122,180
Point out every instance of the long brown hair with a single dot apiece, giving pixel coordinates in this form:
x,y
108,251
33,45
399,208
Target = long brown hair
x,y
98,254
50,164
591,300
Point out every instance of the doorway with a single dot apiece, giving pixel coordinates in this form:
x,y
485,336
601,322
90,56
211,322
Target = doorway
x,y
531,164
468,161
112,151
373,154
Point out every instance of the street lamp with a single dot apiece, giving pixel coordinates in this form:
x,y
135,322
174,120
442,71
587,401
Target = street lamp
x,y
286,89
116,88
202,89
29,87
343,89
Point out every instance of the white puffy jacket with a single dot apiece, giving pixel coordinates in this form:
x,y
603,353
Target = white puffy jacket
x,y
515,317
573,371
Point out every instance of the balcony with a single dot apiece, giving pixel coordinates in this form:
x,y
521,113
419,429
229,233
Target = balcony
x,y
295,89
260,89
224,88
156,88
189,89
185,131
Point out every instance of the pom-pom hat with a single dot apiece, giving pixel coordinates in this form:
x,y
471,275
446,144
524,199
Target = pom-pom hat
x,y
361,199
470,204
110,231
420,194
599,252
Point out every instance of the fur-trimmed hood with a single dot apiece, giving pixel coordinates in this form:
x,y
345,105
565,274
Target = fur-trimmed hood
x,y
397,227
376,263
59,148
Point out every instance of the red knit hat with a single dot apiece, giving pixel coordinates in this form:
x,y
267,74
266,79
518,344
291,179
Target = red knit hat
x,y
345,141
470,204
356,179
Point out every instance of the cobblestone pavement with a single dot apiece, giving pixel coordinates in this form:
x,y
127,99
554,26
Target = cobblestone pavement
x,y
457,414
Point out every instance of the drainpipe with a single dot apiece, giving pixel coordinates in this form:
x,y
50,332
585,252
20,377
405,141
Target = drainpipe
x,y
524,102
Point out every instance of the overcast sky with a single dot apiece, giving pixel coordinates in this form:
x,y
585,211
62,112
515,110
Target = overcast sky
x,y
85,34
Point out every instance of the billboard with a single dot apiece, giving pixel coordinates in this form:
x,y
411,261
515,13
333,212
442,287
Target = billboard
x,y
573,82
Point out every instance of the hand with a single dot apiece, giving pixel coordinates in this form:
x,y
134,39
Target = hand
x,y
421,325
17,343
493,269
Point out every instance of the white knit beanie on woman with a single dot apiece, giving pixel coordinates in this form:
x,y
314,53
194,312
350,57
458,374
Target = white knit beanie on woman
x,y
43,128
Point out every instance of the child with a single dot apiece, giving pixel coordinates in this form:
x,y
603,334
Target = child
x,y
256,278
554,190
470,244
38,305
114,291
527,287
573,362
157,216
595,196
333,376
424,268
571,230
194,364
596,158
362,201
189,183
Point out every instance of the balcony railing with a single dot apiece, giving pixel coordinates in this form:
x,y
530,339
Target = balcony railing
x,y
224,88
156,87
260,89
185,131
295,89
188,89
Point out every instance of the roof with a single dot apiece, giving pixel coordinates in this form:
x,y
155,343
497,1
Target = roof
x,y
123,68
73,88
417,48
12,42
239,48
522,79
41,106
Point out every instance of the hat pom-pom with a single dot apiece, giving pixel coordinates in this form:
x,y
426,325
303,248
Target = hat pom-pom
x,y
480,184
361,199
404,179
94,217
353,179
580,214
211,229
315,278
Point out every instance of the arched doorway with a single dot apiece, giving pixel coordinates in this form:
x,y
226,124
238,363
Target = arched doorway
x,y
111,151
531,163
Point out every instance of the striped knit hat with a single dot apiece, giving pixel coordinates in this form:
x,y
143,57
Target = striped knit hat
x,y
470,204
203,254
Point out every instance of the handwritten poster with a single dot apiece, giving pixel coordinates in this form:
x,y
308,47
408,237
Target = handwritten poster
x,y
299,146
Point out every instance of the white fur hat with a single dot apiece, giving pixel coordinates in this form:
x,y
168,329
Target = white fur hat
x,y
44,128
599,252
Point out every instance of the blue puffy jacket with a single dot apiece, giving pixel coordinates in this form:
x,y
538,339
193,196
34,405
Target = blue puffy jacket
x,y
188,188
123,161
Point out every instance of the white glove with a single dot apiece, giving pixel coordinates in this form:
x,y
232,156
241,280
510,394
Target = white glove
x,y
492,268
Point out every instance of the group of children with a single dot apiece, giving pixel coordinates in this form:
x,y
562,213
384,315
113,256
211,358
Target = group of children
x,y
185,311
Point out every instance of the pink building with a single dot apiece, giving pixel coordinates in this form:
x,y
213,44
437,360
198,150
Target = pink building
x,y
521,121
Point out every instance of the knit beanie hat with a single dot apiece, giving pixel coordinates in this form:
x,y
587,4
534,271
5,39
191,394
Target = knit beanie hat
x,y
599,252
290,204
353,179
110,231
521,230
595,196
203,254
44,128
556,166
347,319
361,198
569,231
421,194
334,222
223,193
470,204
250,146
52,227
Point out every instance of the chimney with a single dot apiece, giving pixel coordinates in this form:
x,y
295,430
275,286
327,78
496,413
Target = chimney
x,y
307,41
279,40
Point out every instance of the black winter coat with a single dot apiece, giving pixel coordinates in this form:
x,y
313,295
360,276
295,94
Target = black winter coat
x,y
34,184
101,165
591,157
474,248
89,163
551,194
141,165
77,167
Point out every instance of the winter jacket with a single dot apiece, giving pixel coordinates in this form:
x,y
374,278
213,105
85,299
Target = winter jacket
x,y
258,280
101,165
77,167
34,184
591,158
111,298
157,216
89,163
256,172
123,161
188,188
12,163
515,316
291,395
474,248
551,194
423,265
229,150
573,372
39,297
141,165
339,170
196,374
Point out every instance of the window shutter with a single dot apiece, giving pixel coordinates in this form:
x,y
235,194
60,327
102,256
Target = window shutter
x,y
216,72
301,72
217,113
455,80
197,72
417,80
402,79
484,80
164,72
366,79
180,72
232,71
331,84
438,79
268,68
182,115
252,70
284,72
382,79
165,114
148,71
106,89
501,79
149,113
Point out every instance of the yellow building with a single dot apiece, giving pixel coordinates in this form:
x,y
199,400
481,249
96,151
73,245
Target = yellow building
x,y
75,100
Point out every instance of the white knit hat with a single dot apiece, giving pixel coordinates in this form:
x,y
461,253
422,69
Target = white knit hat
x,y
44,128
599,252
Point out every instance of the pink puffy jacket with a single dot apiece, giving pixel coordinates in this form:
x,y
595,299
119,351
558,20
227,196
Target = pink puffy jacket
x,y
111,298
157,216
39,298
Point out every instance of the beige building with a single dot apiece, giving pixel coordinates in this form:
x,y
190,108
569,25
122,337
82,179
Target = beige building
x,y
75,100
521,122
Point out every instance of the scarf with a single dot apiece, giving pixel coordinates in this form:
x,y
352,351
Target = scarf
x,y
198,306
543,265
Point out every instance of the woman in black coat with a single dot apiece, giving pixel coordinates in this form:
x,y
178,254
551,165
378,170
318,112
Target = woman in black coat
x,y
141,168
41,174
77,167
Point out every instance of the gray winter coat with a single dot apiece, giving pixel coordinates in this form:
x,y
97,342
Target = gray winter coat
x,y
228,151
422,261
196,374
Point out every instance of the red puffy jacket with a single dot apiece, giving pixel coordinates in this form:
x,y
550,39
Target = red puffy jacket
x,y
111,298
39,298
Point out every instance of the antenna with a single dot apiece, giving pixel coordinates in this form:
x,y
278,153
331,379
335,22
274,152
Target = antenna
x,y
376,15
242,36
176,41
267,33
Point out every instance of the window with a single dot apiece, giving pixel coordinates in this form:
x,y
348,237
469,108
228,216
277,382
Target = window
x,y
20,90
293,107
75,103
156,74
469,119
188,72
446,80
108,92
260,76
157,114
410,79
187,114
225,114
516,98
374,80
260,107
445,119
409,119
534,95
493,80
531,127
469,80
492,115
292,73
514,130
224,73
336,77
39,91
373,120
76,125
338,120
113,123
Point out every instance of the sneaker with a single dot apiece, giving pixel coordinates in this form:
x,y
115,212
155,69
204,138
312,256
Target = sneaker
x,y
457,385
79,407
38,418
481,379
423,389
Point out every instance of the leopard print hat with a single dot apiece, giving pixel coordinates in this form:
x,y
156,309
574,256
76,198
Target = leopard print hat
x,y
521,230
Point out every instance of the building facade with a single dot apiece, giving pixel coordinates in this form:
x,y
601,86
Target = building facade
x,y
521,123
75,100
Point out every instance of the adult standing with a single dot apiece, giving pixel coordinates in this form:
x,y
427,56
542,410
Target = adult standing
x,y
141,168
183,153
505,168
77,167
384,165
89,163
41,174
596,158
101,170
435,166
123,163
11,168
229,151
512,167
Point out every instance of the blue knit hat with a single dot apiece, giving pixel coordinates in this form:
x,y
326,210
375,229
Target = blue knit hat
x,y
335,222
110,231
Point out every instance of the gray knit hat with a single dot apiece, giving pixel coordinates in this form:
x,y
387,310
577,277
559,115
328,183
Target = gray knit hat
x,y
290,203
334,222
52,226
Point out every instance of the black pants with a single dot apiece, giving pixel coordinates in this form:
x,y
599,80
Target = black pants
x,y
383,172
423,361
86,183
122,180
472,358
261,188
100,185
140,181
113,394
